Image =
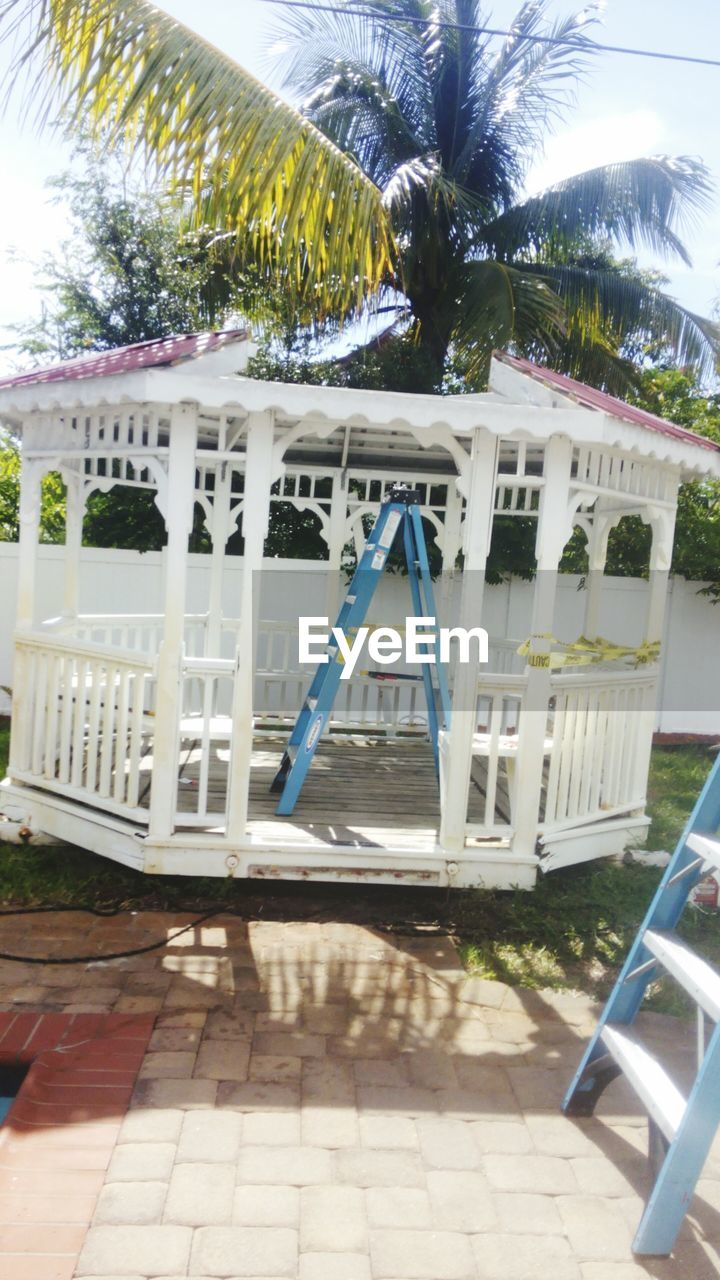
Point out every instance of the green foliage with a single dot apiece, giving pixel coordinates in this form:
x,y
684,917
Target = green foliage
x,y
130,271
52,504
678,396
394,362
252,168
447,123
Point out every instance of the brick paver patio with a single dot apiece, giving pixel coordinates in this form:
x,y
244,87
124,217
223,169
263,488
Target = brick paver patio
x,y
324,1102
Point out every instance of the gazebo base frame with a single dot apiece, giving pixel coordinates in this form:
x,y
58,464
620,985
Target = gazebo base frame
x,y
369,812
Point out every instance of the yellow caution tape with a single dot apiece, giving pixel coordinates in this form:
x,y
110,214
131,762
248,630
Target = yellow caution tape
x,y
584,652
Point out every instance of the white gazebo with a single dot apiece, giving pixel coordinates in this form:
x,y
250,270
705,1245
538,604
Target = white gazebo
x,y
153,738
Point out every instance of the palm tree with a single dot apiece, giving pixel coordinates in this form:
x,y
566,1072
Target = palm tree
x,y
446,124
405,172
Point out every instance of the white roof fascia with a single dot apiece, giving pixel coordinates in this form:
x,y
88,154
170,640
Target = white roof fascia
x,y
521,388
459,415
228,359
392,410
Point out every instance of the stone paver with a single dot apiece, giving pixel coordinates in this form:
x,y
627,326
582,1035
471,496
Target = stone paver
x,y
201,1194
147,1251
333,1220
323,1102
245,1251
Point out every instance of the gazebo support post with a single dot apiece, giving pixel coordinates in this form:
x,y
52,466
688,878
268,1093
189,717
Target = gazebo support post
x,y
256,513
220,532
457,743
74,515
552,534
29,520
179,516
663,532
336,542
451,544
597,549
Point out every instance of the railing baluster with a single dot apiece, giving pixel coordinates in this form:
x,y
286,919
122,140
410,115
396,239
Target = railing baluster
x,y
106,739
38,735
121,736
51,715
496,714
66,718
137,691
78,728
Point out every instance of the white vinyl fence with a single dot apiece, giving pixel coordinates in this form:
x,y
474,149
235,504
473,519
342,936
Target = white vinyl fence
x,y
130,583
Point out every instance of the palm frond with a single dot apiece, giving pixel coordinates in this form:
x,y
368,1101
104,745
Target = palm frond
x,y
499,305
640,202
249,161
610,307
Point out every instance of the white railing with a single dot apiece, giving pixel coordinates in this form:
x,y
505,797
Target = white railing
x,y
205,742
369,700
498,719
86,722
85,729
601,726
135,632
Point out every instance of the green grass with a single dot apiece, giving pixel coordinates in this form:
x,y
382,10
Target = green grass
x,y
572,932
677,775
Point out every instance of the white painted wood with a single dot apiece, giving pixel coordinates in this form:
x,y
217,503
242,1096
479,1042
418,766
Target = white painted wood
x,y
554,528
658,1093
74,514
336,539
181,487
456,755
256,510
221,530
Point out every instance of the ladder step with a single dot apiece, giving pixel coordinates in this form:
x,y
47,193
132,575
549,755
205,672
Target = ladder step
x,y
699,979
659,1094
707,846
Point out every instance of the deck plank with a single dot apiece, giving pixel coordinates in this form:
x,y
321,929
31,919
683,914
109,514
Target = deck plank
x,y
363,792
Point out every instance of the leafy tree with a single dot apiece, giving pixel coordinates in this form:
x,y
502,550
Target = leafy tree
x,y
128,272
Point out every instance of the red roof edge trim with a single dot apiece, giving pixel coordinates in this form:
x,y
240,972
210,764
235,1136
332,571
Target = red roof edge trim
x,y
593,399
154,354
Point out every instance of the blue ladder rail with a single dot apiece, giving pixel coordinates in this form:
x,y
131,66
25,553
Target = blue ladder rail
x,y
681,1131
399,516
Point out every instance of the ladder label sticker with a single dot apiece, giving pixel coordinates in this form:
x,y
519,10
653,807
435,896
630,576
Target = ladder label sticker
x,y
314,733
378,560
388,534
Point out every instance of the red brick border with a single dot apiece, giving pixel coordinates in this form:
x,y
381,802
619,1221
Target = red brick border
x,y
57,1139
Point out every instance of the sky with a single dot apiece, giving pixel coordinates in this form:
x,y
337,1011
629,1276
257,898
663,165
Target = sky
x,y
626,107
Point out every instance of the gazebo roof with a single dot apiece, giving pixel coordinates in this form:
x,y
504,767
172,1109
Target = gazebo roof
x,y
156,353
523,402
594,399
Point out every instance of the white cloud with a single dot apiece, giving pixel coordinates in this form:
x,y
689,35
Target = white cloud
x,y
602,140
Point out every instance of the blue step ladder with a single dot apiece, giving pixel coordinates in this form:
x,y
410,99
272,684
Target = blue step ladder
x,y
680,1130
399,516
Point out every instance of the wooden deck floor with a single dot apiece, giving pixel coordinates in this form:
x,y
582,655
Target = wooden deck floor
x,y
365,793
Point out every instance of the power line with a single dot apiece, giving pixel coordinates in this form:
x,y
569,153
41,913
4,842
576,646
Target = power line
x,y
589,46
